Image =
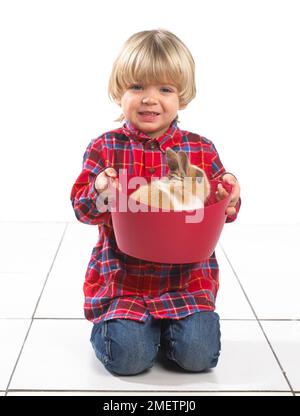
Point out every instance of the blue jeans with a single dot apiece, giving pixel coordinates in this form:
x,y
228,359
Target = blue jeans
x,y
128,347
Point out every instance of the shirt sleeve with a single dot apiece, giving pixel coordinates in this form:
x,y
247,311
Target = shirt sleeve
x,y
83,193
217,168
217,171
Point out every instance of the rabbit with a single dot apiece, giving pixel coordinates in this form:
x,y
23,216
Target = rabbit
x,y
185,188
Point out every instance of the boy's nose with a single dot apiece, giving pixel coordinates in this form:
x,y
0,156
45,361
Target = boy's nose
x,y
150,99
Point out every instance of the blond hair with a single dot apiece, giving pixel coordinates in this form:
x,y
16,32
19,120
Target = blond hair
x,y
154,56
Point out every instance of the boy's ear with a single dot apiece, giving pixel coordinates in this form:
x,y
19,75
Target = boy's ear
x,y
117,101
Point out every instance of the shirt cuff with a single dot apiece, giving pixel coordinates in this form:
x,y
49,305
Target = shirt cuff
x,y
225,173
231,218
93,194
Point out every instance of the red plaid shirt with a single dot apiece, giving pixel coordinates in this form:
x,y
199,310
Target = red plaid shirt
x,y
117,285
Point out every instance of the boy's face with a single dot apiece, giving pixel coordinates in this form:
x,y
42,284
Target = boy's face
x,y
150,108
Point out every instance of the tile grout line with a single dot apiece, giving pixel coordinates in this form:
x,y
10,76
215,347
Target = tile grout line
x,y
143,391
50,269
67,318
258,321
32,319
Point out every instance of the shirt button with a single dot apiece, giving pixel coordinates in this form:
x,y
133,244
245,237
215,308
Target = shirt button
x,y
151,170
152,146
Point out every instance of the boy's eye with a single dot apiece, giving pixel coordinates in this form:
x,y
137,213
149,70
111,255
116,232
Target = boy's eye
x,y
136,87
166,89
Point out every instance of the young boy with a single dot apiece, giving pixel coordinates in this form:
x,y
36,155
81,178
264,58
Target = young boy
x,y
136,306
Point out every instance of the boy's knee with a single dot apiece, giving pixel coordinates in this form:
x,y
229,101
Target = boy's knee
x,y
200,361
126,363
196,341
124,355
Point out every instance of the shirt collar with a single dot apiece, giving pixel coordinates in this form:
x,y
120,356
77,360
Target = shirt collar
x,y
170,138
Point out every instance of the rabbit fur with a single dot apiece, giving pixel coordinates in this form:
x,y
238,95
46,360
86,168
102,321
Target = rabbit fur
x,y
185,188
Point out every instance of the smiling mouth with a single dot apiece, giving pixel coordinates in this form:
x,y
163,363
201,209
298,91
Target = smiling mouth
x,y
148,113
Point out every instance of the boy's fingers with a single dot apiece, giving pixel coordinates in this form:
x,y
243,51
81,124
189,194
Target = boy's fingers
x,y
221,192
102,180
101,183
116,184
233,202
231,211
110,172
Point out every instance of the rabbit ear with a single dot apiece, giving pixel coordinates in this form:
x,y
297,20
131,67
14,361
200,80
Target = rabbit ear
x,y
172,160
184,163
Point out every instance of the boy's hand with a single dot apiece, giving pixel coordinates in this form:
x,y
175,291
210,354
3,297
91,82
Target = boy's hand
x,y
102,180
105,197
235,192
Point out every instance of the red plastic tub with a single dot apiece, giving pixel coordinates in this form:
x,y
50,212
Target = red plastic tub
x,y
166,237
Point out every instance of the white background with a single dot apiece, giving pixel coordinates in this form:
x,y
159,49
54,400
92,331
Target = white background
x,y
56,58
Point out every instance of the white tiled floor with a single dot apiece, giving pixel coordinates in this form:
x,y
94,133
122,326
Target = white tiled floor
x,y
45,345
